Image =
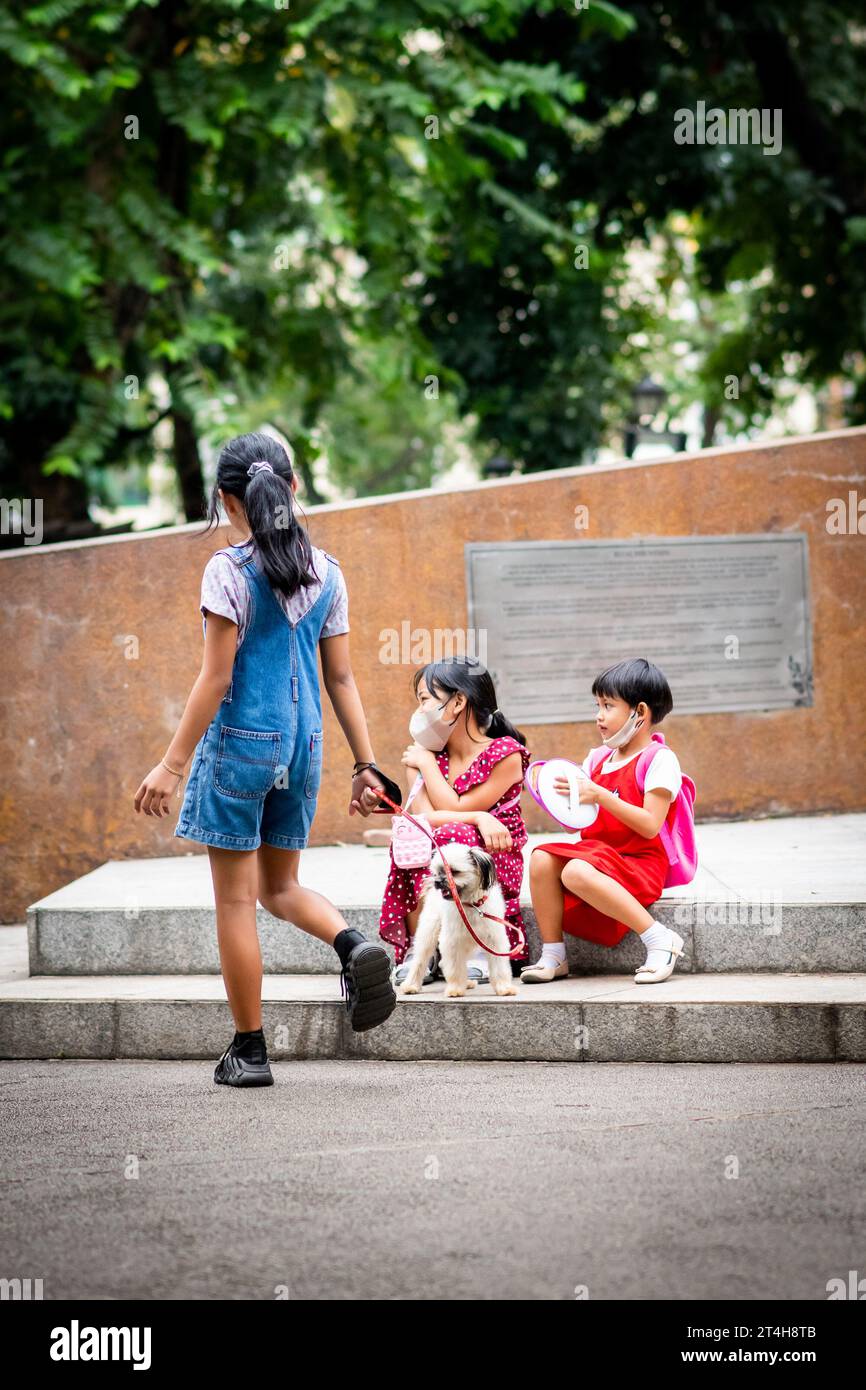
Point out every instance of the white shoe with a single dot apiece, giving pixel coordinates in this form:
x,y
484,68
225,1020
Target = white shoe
x,y
660,963
539,974
478,972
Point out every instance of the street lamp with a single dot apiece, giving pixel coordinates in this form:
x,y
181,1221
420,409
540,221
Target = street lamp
x,y
648,399
497,467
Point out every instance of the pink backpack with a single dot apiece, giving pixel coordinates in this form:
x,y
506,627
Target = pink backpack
x,y
678,839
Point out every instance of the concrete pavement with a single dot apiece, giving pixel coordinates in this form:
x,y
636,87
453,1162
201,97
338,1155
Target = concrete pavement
x,y
429,1181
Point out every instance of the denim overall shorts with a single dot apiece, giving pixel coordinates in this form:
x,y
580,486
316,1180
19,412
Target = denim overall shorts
x,y
256,771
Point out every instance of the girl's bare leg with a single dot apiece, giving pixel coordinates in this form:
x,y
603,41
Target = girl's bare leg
x,y
235,882
545,886
605,894
281,894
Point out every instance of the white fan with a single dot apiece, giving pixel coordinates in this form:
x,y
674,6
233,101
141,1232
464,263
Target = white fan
x,y
569,810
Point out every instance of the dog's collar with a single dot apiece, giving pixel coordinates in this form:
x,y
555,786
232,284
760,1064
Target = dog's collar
x,y
446,893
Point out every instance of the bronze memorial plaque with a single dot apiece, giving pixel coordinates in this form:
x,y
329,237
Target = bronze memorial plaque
x,y
725,617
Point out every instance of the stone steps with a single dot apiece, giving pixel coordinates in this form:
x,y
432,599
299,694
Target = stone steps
x,y
123,962
689,1018
774,895
720,937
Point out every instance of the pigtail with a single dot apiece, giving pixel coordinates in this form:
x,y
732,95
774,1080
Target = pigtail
x,y
500,727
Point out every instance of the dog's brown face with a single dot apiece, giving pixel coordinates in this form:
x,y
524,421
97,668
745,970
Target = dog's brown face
x,y
472,869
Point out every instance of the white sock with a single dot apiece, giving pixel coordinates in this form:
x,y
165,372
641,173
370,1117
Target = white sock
x,y
657,937
552,953
658,940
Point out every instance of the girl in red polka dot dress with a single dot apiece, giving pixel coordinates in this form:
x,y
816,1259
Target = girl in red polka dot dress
x,y
473,762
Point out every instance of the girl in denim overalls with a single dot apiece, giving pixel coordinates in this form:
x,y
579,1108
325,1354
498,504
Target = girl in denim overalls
x,y
253,727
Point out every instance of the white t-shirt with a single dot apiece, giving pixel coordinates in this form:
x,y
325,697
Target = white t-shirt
x,y
663,771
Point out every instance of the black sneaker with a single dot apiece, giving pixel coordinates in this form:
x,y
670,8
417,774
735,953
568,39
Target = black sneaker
x,y
366,982
235,1068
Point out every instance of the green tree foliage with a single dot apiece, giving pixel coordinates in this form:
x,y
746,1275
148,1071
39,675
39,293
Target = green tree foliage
x,y
205,196
779,236
226,210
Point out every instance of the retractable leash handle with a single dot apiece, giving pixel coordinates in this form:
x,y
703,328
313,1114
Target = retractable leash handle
x,y
390,786
456,896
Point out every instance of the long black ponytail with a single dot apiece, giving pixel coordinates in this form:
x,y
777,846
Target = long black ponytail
x,y
467,675
266,495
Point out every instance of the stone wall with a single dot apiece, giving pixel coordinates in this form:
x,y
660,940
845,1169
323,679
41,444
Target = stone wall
x,y
82,723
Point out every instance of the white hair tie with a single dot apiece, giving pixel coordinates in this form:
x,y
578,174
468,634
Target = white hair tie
x,y
255,467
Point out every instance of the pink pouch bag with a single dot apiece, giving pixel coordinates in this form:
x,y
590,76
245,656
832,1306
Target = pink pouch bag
x,y
410,847
678,839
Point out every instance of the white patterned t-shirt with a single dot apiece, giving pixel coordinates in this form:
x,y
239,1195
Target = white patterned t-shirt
x,y
224,590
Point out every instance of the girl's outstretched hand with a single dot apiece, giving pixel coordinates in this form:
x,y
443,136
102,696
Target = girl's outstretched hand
x,y
155,794
494,834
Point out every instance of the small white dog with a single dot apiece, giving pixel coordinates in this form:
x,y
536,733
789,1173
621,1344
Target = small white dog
x,y
440,922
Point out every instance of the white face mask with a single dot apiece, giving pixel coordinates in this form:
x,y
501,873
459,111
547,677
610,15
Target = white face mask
x,y
429,730
628,730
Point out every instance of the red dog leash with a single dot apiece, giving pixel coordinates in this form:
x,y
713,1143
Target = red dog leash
x,y
456,896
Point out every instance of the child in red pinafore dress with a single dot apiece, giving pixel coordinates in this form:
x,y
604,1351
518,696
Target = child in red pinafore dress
x,y
473,762
599,886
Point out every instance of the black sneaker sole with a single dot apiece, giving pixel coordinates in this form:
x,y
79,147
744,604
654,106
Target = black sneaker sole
x,y
232,1070
368,969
